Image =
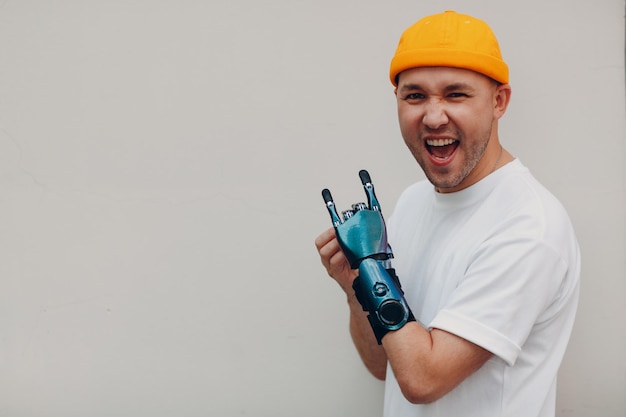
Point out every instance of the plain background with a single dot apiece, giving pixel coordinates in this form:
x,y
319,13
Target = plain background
x,y
161,165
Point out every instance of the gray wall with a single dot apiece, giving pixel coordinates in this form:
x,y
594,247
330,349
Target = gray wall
x,y
160,173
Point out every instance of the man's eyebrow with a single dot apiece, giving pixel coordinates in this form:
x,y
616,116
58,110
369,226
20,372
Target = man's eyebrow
x,y
458,86
410,87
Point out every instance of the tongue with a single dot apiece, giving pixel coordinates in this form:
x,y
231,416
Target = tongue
x,y
442,152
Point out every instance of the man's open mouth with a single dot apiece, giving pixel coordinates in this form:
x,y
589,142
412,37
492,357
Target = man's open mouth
x,y
441,148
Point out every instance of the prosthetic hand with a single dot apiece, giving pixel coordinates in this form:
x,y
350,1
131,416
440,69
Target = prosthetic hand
x,y
362,236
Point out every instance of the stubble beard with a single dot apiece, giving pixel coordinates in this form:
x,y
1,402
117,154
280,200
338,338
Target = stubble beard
x,y
445,177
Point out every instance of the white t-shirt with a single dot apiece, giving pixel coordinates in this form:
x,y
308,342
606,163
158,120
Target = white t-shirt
x,y
497,264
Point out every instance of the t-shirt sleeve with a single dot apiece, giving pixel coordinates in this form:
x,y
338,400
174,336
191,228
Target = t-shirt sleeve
x,y
506,289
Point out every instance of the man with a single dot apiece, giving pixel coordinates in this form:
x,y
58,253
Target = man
x,y
487,257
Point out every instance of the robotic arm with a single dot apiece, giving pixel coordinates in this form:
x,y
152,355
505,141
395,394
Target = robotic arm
x,y
362,236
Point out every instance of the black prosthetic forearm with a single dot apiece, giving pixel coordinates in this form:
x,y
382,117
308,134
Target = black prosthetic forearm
x,y
380,294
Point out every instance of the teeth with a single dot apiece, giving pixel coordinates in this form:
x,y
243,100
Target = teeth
x,y
440,142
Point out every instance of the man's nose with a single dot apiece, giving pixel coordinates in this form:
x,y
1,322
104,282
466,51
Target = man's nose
x,y
435,114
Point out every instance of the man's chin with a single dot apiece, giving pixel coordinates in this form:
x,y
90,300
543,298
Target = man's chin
x,y
444,183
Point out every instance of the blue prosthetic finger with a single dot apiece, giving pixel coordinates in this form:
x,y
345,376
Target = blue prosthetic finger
x,y
330,205
372,201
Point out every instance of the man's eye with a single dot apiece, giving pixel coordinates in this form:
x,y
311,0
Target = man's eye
x,y
457,95
414,96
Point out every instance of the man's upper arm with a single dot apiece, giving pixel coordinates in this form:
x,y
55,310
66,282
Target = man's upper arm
x,y
428,365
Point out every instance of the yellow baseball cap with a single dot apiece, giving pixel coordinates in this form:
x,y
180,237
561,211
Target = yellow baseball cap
x,y
450,39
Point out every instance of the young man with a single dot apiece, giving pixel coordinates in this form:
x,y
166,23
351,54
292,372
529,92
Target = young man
x,y
487,257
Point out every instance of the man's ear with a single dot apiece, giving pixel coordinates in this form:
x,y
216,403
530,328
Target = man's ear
x,y
501,99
